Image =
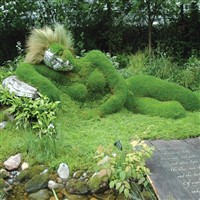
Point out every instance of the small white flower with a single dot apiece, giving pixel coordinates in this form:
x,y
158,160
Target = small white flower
x,y
114,155
51,126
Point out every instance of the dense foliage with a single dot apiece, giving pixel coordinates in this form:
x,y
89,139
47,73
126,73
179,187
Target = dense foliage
x,y
125,168
114,26
39,114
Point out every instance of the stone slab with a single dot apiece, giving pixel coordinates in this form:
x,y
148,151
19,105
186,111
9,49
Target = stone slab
x,y
175,169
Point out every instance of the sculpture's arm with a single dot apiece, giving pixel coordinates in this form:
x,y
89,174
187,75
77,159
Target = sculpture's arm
x,y
27,72
116,82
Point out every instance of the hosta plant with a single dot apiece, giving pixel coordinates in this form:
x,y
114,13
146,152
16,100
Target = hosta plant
x,y
39,113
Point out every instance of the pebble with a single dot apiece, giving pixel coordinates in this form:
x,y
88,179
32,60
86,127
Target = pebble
x,y
10,181
63,171
44,172
13,162
54,185
3,124
24,166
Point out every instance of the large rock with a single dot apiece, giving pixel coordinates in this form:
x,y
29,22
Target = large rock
x,y
40,195
76,186
13,162
38,182
19,88
98,183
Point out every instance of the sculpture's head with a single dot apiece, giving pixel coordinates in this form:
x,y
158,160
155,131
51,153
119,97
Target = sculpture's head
x,y
51,47
59,58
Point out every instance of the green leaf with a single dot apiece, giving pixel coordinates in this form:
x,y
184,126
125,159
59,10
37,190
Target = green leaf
x,y
127,185
118,185
121,189
111,184
146,183
141,180
122,175
126,193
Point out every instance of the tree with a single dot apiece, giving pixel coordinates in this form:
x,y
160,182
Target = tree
x,y
151,12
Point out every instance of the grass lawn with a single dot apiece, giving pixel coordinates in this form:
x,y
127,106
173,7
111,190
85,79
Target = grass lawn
x,y
79,135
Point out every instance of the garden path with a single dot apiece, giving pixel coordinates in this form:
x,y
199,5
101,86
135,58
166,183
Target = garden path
x,y
175,169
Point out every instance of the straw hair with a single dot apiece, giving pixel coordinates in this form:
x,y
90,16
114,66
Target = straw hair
x,y
41,39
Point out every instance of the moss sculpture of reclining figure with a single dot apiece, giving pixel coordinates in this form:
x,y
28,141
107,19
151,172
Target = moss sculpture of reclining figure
x,y
50,66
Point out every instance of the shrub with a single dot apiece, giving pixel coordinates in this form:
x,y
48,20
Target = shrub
x,y
189,77
123,60
160,66
137,63
125,167
39,113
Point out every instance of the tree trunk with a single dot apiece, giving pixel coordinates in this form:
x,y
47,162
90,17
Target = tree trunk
x,y
150,23
109,23
149,38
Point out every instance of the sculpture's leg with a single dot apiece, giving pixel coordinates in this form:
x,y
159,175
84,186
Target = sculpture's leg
x,y
153,107
148,86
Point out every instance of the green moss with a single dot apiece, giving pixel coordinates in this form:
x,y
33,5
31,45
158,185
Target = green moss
x,y
77,91
36,183
57,48
96,81
148,86
62,52
2,183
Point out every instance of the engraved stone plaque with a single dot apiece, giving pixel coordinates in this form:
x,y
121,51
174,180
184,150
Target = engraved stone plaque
x,y
175,169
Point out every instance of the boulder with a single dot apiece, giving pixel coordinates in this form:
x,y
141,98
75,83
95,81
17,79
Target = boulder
x,y
38,182
76,186
19,88
98,183
40,195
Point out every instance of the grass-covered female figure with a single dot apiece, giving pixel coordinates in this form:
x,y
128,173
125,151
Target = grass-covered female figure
x,y
51,67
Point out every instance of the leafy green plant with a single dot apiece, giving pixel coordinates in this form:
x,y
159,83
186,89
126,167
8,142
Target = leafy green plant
x,y
39,113
189,77
160,66
11,65
5,72
113,59
137,63
125,167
